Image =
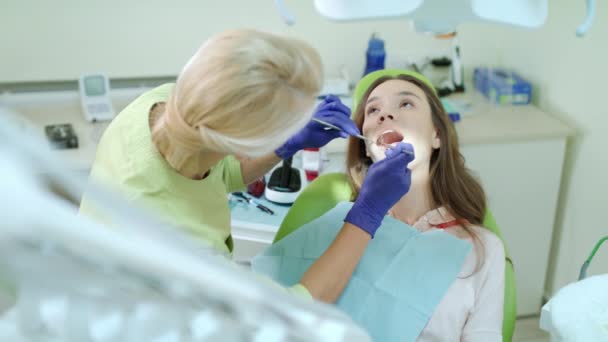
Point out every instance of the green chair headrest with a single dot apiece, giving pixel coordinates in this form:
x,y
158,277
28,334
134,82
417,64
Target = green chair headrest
x,y
370,78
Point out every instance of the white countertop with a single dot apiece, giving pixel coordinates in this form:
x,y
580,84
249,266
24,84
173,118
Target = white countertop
x,y
484,123
39,110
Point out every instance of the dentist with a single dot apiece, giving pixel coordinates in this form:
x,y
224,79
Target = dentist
x,y
249,94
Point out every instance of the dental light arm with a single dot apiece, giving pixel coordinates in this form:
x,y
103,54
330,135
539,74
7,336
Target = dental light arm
x,y
440,16
586,25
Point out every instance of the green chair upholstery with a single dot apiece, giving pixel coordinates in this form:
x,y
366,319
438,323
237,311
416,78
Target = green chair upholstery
x,y
328,190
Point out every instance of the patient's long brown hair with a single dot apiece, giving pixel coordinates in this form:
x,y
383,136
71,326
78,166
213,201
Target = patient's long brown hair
x,y
452,185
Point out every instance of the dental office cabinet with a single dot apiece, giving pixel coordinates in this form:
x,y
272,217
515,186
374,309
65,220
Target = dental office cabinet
x,y
517,151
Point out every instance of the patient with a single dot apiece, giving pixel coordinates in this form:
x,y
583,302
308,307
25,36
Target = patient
x,y
443,195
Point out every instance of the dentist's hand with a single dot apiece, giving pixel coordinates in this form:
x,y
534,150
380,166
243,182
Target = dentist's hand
x,y
314,134
386,182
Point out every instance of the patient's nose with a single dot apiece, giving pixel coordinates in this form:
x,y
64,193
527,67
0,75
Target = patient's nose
x,y
385,117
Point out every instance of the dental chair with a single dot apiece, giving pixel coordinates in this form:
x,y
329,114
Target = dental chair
x,y
328,190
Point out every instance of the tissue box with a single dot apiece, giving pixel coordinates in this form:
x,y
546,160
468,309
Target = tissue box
x,y
502,86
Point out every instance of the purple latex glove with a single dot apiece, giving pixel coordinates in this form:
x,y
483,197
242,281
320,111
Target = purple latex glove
x,y
386,182
314,134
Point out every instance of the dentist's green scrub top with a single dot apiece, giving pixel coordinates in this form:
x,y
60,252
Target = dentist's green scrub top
x,y
128,161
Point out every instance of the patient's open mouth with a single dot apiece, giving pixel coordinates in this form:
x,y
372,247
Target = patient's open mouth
x,y
389,137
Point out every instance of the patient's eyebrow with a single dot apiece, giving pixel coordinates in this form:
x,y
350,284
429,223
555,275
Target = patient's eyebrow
x,y
374,98
404,93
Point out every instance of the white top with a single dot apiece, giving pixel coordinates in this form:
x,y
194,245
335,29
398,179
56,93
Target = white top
x,y
472,309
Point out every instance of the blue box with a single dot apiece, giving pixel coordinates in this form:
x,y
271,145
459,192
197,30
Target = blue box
x,y
502,86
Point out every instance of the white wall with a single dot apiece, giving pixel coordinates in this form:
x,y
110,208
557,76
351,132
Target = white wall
x,y
569,76
58,40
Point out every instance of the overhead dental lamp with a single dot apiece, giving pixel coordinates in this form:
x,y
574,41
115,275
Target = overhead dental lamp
x,y
440,16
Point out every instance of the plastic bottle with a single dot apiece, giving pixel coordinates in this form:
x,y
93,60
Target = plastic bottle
x,y
375,55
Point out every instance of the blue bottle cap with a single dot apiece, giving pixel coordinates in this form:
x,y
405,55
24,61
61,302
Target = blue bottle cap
x,y
455,117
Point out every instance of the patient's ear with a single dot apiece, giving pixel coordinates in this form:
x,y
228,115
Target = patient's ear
x,y
436,140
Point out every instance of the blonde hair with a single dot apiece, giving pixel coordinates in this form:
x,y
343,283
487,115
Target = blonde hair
x,y
244,92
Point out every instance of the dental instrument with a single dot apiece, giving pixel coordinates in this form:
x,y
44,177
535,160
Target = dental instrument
x,y
365,139
583,272
331,126
254,202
